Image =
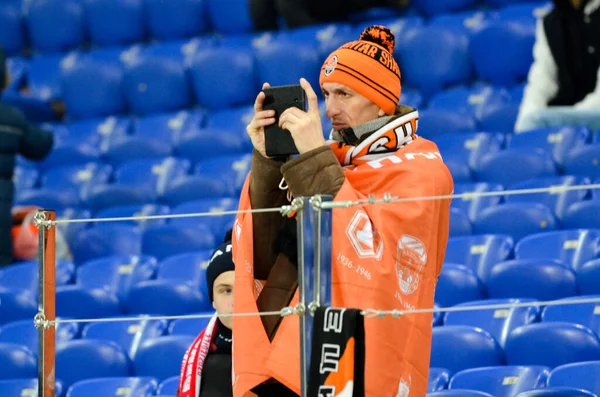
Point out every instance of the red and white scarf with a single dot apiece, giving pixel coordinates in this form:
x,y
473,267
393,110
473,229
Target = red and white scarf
x,y
397,131
190,378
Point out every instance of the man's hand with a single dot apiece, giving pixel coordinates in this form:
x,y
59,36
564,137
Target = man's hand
x,y
261,119
305,127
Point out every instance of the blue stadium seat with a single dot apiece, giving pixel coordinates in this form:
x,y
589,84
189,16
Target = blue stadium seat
x,y
528,11
201,144
556,392
578,375
457,284
584,161
187,326
585,314
213,178
16,66
459,393
469,146
542,279
559,141
431,7
167,127
116,56
115,22
235,168
127,334
571,247
408,97
137,182
181,49
106,241
438,379
501,381
433,58
471,102
24,333
73,301
218,225
25,387
134,211
459,168
249,41
97,131
43,16
116,274
12,35
17,362
70,230
161,357
460,347
434,123
235,119
513,38
582,215
326,37
25,178
79,360
180,287
551,344
156,84
230,18
140,386
172,239
588,278
282,64
479,253
77,178
459,223
515,219
175,19
501,167
473,205
130,148
43,74
437,316
556,200
92,89
498,322
24,275
168,386
16,305
207,75
48,198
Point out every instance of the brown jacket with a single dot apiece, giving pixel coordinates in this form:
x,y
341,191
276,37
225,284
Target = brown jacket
x,y
314,172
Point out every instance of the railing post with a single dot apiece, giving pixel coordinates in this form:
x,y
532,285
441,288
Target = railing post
x,y
314,272
46,302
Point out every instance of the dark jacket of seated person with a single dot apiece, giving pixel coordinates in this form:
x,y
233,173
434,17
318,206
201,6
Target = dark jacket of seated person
x,y
210,354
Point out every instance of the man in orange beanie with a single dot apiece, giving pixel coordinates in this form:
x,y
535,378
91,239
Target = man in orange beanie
x,y
373,149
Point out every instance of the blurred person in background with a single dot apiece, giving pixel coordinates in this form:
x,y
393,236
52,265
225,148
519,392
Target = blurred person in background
x,y
206,367
373,149
563,86
17,137
297,13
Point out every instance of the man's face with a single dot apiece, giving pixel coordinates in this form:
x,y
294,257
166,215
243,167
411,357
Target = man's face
x,y
223,296
347,108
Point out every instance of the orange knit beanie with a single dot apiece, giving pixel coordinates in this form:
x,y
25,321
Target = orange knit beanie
x,y
367,67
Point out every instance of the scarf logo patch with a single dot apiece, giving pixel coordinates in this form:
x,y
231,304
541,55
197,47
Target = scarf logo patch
x,y
411,256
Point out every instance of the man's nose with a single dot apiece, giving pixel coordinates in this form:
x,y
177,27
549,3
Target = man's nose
x,y
332,110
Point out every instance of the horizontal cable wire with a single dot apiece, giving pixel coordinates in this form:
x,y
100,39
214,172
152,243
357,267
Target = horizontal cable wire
x,y
387,198
498,306
470,195
283,312
369,313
